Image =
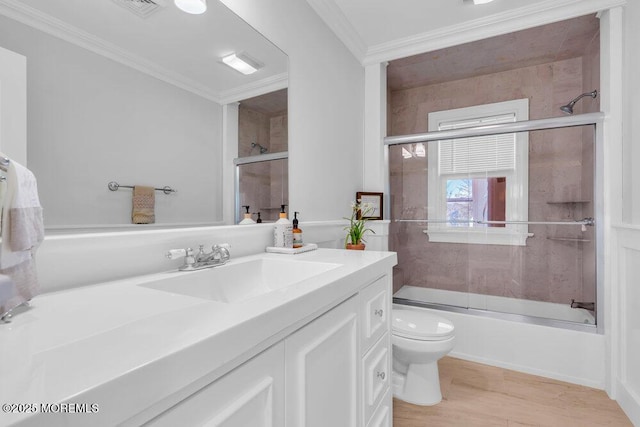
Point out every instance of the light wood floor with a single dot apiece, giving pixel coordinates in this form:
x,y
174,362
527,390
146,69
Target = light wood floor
x,y
476,395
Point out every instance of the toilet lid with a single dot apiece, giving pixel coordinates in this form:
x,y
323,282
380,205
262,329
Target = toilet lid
x,y
421,325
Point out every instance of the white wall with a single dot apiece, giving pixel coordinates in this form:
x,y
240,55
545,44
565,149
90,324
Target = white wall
x,y
326,96
625,251
92,120
631,101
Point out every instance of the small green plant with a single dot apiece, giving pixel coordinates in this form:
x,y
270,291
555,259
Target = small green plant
x,y
357,223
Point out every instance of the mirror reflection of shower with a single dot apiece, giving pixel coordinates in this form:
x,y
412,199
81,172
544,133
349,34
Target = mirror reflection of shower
x,y
568,109
263,142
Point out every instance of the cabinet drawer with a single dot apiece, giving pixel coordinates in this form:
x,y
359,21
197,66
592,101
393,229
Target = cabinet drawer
x,y
375,311
376,375
383,416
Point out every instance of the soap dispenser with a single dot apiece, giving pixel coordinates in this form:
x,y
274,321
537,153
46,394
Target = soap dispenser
x,y
259,220
297,232
247,217
283,231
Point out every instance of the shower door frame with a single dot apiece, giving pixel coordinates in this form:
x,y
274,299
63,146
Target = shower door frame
x,y
239,161
589,119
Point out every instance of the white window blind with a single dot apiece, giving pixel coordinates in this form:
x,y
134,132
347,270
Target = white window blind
x,y
480,153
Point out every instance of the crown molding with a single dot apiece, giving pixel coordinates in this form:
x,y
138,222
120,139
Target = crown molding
x,y
34,18
335,19
537,14
260,87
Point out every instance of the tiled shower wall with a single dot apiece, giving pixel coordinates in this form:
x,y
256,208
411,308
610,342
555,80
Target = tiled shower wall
x,y
263,185
560,188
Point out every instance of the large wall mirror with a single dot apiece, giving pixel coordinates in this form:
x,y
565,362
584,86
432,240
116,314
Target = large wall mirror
x,y
132,92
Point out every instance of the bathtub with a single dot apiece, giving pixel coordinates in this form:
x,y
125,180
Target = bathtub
x,y
545,339
535,310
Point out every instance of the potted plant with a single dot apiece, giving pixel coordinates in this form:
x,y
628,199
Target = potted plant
x,y
357,225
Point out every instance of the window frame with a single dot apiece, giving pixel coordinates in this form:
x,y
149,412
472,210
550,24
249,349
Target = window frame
x,y
517,181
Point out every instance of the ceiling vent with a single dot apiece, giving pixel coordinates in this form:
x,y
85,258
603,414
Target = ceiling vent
x,y
142,8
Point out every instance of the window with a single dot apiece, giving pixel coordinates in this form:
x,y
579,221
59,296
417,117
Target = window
x,y
470,201
478,183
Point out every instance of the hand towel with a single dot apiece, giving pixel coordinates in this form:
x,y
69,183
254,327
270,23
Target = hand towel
x,y
144,199
22,232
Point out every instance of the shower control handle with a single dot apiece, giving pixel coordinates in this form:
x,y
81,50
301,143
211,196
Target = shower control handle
x,y
381,375
379,312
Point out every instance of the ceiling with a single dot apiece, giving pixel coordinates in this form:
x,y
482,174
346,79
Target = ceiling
x,y
382,21
533,46
175,46
376,31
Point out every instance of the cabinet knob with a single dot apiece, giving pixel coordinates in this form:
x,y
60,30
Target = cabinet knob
x,y
381,375
379,312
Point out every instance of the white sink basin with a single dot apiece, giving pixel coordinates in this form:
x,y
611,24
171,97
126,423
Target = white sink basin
x,y
239,281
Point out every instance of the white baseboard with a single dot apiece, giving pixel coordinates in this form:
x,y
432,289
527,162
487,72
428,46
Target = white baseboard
x,y
629,402
529,370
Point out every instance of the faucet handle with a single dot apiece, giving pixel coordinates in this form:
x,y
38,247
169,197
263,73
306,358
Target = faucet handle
x,y
187,253
177,253
223,250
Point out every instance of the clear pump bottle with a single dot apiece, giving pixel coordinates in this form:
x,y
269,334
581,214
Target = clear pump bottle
x,y
283,231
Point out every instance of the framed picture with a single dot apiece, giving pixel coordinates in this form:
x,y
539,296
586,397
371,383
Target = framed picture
x,y
373,199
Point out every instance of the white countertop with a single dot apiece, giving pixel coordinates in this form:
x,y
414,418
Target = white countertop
x,y
127,347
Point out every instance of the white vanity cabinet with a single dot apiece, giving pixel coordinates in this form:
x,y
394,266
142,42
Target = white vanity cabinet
x,y
312,352
338,366
322,370
333,371
250,395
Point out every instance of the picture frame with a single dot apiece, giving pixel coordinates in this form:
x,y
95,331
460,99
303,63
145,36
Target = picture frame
x,y
375,199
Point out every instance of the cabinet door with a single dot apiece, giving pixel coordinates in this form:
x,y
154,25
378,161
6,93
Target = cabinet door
x,y
376,309
322,370
383,416
250,395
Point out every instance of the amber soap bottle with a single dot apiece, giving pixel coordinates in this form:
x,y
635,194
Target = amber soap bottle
x,y
297,232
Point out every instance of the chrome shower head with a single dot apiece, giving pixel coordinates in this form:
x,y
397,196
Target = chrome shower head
x,y
263,149
568,109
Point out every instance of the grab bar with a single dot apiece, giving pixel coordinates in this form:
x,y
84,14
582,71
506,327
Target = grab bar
x,y
582,222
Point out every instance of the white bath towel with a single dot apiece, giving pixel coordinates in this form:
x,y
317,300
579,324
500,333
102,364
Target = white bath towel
x,y
9,298
22,231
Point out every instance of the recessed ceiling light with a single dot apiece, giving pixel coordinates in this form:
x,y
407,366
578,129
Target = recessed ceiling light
x,y
242,63
194,7
481,1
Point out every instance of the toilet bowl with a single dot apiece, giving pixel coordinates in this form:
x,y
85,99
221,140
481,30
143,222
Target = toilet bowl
x,y
419,338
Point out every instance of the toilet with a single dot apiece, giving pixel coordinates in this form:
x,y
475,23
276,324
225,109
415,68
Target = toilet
x,y
419,339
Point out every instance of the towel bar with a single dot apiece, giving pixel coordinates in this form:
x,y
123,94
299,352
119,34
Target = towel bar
x,y
113,186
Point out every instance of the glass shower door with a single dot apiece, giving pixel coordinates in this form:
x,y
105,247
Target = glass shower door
x,y
461,243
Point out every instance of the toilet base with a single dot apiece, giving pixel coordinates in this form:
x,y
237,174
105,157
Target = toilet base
x,y
420,386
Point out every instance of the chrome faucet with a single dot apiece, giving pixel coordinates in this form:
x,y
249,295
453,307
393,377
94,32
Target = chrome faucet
x,y
219,255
